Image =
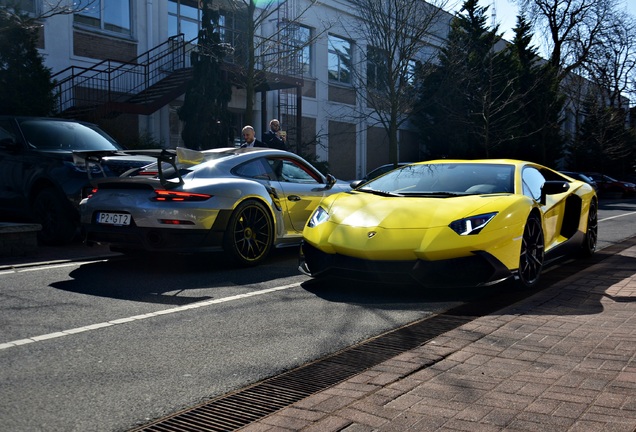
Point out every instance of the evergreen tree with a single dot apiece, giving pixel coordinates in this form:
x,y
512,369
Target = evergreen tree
x,y
537,135
26,87
204,111
460,100
603,143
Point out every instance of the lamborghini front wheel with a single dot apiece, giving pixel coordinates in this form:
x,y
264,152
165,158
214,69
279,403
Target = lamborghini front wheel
x,y
532,253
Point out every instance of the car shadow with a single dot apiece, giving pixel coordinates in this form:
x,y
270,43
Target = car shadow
x,y
169,280
392,296
574,296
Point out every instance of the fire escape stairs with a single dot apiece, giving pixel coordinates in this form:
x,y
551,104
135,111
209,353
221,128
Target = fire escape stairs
x,y
155,96
140,86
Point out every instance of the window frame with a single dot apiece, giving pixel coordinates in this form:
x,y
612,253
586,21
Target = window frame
x,y
337,75
87,21
377,65
180,18
32,12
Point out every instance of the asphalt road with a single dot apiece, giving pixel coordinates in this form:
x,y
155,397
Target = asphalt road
x,y
106,345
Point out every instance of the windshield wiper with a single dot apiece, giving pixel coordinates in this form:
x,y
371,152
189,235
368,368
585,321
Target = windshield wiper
x,y
436,194
380,193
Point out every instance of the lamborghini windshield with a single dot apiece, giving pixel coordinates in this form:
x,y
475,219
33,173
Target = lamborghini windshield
x,y
445,179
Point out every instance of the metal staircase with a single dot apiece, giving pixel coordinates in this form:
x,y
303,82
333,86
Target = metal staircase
x,y
153,79
290,65
140,86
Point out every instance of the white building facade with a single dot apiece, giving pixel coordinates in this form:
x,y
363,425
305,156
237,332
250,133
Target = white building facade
x,y
108,36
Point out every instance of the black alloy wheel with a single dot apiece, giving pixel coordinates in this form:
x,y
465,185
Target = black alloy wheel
x,y
591,234
250,233
532,253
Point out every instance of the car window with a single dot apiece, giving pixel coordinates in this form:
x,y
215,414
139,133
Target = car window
x,y
464,178
60,135
533,181
256,169
292,171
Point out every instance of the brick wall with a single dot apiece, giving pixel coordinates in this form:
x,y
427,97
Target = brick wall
x,y
101,47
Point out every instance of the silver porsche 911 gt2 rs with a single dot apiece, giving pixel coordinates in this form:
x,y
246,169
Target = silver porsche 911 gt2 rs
x,y
243,201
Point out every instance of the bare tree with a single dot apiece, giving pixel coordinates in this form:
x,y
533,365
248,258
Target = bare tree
x,y
47,9
612,63
398,34
263,48
572,28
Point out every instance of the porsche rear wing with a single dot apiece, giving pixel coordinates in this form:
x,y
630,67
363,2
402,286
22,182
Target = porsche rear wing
x,y
171,157
93,159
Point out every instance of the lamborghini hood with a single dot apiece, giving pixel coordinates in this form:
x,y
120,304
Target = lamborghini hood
x,y
359,209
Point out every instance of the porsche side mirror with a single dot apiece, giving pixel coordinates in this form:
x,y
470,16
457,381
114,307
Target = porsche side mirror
x,y
331,180
354,184
553,187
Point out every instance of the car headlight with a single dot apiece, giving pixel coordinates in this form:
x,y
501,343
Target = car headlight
x,y
471,225
319,216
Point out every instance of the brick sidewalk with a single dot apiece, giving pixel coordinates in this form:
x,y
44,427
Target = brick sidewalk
x,y
561,360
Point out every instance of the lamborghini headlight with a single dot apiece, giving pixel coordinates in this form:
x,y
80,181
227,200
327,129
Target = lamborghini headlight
x,y
471,225
319,216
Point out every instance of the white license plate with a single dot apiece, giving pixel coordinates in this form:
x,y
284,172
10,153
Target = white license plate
x,y
113,218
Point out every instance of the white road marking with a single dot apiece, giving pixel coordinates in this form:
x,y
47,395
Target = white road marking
x,y
39,338
152,314
616,217
39,267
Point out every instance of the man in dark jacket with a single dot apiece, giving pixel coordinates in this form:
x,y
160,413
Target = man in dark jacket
x,y
250,138
274,137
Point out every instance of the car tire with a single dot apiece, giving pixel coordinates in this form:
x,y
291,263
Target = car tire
x,y
532,253
59,223
250,233
591,234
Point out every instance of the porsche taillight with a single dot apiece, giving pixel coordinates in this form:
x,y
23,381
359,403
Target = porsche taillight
x,y
172,196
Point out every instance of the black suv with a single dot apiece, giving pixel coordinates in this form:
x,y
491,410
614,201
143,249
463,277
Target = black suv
x,y
45,169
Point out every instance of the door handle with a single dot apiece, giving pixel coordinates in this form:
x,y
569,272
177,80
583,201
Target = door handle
x,y
294,198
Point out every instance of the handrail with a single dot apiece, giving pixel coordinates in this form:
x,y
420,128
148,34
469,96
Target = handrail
x,y
115,81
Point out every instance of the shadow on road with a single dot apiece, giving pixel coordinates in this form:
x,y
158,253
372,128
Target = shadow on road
x,y
171,279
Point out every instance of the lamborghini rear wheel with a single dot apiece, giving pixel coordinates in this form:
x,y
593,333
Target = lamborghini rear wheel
x,y
532,253
250,233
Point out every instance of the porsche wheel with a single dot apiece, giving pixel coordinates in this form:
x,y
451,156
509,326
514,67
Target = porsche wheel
x,y
591,235
250,233
532,253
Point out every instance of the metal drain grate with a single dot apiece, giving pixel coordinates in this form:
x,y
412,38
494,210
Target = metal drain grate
x,y
235,410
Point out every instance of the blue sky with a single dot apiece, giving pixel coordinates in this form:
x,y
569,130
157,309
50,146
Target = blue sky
x,y
507,12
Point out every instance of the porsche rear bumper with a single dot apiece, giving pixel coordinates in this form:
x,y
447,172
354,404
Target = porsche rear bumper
x,y
158,239
477,270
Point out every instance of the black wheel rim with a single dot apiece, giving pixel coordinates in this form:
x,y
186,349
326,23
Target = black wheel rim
x,y
532,252
252,234
592,227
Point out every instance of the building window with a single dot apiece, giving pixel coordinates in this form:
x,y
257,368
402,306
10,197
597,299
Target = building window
x,y
28,6
229,29
300,38
377,62
409,74
108,15
184,16
339,60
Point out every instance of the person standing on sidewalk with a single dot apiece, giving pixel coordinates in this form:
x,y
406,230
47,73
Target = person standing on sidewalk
x,y
250,138
274,137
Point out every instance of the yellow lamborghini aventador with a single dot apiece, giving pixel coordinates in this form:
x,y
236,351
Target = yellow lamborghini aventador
x,y
452,223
